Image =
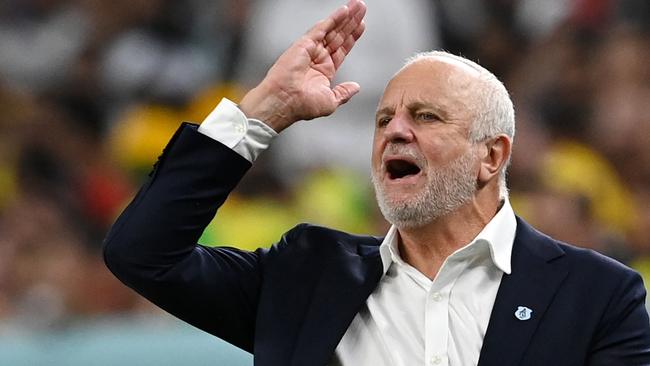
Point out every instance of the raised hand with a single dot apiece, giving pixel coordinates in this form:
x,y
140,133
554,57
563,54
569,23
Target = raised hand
x,y
299,85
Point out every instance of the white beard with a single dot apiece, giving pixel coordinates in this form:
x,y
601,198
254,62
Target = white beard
x,y
446,189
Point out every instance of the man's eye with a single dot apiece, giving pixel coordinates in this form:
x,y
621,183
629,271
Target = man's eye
x,y
427,116
383,121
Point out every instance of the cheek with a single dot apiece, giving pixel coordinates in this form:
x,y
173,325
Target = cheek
x,y
441,148
438,154
377,151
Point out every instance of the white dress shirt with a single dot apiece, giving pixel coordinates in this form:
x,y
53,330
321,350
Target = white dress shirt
x,y
408,320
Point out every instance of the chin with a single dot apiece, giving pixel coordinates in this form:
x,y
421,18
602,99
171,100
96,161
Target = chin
x,y
399,197
405,217
403,210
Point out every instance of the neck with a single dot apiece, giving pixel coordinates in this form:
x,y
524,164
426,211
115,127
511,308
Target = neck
x,y
427,247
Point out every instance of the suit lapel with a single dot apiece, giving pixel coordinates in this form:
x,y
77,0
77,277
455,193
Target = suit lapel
x,y
344,285
537,273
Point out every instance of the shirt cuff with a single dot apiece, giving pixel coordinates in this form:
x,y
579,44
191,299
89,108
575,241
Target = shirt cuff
x,y
227,124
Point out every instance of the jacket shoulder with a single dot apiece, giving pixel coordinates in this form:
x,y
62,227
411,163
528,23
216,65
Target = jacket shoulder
x,y
310,237
593,260
581,259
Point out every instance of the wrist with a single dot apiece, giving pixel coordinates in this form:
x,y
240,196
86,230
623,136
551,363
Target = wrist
x,y
267,106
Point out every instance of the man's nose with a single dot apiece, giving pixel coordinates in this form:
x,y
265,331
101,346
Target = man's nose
x,y
399,129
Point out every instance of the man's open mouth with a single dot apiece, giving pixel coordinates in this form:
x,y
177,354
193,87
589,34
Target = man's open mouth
x,y
399,168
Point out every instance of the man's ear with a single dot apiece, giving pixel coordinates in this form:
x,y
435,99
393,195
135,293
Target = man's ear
x,y
495,157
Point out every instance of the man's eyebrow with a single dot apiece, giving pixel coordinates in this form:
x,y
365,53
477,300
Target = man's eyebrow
x,y
416,105
385,111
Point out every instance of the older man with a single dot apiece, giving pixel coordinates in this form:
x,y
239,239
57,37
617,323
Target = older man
x,y
458,279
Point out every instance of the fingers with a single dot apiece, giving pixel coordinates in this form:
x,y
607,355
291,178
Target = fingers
x,y
358,31
339,54
320,29
337,36
344,91
339,24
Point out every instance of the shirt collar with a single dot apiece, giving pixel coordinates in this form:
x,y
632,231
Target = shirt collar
x,y
499,234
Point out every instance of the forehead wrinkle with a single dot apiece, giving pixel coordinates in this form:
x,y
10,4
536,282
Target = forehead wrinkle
x,y
390,108
465,87
449,86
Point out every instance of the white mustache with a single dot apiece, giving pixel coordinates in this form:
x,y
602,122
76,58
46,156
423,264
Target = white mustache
x,y
404,150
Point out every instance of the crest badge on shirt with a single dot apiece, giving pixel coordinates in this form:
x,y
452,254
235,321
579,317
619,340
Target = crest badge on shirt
x,y
523,313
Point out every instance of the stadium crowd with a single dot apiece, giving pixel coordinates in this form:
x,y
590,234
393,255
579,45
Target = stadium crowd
x,y
90,92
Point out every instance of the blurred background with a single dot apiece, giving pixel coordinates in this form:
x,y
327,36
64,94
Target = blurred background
x,y
90,92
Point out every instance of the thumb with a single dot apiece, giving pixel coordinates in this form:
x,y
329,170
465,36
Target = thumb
x,y
344,91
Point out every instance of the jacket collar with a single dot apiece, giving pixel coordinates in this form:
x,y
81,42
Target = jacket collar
x,y
498,236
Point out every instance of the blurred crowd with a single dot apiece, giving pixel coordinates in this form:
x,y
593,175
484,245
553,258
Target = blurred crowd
x,y
90,92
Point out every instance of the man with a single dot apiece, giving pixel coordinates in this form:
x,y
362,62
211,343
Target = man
x,y
458,279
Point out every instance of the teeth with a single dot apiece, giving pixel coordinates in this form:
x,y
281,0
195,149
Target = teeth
x,y
401,168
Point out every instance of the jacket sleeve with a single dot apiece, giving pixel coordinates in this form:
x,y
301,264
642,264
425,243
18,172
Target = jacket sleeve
x,y
623,337
152,247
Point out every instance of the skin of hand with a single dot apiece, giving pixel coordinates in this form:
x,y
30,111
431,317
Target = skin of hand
x,y
298,86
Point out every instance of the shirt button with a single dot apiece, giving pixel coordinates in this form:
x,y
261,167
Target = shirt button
x,y
436,296
239,129
436,360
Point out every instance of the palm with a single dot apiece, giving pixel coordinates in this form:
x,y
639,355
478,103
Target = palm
x,y
318,97
305,71
298,86
317,84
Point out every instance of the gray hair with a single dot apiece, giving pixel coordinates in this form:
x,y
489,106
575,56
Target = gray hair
x,y
494,112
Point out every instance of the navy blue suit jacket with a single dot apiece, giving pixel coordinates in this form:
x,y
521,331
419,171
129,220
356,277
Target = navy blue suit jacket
x,y
291,304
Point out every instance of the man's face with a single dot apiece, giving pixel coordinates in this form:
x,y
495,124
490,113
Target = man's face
x,y
423,165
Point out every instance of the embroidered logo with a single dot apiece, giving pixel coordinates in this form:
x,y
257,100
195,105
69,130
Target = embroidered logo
x,y
523,313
